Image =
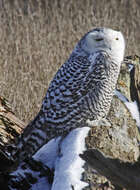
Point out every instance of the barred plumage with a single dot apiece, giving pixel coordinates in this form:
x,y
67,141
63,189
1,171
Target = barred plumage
x,y
81,90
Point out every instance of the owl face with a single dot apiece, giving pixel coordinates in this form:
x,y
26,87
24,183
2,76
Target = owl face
x,y
105,39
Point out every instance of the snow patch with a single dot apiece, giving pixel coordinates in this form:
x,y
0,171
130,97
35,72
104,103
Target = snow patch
x,y
130,67
48,153
132,107
69,166
63,156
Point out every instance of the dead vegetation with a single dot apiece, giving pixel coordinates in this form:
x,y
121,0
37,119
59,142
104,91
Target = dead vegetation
x,y
37,36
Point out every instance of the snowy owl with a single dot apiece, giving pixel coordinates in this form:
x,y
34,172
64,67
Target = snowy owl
x,y
81,90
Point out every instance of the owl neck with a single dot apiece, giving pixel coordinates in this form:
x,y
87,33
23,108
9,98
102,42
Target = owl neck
x,y
116,56
103,66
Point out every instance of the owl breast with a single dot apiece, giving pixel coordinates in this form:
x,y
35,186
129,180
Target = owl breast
x,y
80,90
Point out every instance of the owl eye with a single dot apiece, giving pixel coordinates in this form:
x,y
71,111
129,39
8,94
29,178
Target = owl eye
x,y
116,38
99,39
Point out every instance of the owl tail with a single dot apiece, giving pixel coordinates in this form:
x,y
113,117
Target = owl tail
x,y
33,137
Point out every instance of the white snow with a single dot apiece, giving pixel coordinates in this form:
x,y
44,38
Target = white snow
x,y
62,155
121,96
48,153
69,166
132,107
130,67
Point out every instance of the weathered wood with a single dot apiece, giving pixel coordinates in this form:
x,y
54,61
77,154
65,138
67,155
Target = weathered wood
x,y
122,174
135,82
10,128
10,125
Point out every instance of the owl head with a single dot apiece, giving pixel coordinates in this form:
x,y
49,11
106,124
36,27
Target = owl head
x,y
106,40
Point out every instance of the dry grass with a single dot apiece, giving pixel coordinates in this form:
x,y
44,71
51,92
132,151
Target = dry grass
x,y
37,37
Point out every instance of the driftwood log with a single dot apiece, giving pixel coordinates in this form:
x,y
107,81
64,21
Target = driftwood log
x,y
113,153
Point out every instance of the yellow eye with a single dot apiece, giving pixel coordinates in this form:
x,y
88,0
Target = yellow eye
x,y
116,38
